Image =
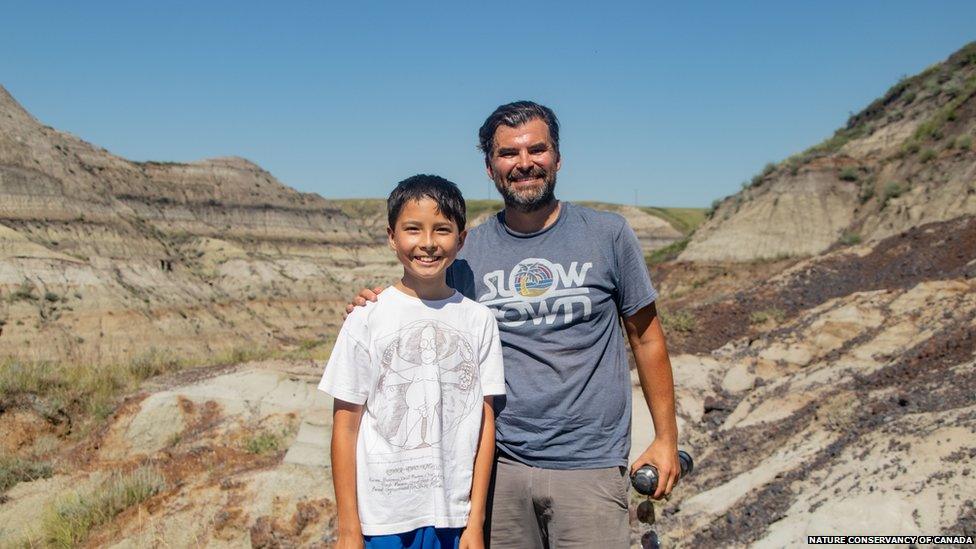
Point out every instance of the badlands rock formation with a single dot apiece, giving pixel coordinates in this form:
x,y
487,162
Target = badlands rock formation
x,y
838,397
905,160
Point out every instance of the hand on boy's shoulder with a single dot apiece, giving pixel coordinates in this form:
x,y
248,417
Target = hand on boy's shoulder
x,y
366,294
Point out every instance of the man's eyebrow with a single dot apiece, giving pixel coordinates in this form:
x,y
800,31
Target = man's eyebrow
x,y
535,146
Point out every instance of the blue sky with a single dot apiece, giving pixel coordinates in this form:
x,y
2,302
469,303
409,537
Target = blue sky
x,y
673,105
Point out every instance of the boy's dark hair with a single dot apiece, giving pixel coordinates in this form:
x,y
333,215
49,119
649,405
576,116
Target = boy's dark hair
x,y
514,115
448,197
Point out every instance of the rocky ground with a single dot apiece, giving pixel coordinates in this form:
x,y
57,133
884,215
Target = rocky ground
x,y
851,409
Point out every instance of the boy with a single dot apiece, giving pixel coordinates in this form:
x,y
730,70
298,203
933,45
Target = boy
x,y
412,375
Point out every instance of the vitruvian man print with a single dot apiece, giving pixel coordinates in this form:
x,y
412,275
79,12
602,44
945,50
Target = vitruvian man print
x,y
428,372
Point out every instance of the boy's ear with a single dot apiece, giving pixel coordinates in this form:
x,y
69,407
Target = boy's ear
x,y
461,236
389,238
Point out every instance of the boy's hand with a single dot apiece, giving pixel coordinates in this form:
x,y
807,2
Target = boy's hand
x,y
360,300
472,537
664,457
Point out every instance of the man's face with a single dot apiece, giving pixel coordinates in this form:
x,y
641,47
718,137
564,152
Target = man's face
x,y
523,165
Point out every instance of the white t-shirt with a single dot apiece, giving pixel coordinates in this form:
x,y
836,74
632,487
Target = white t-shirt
x,y
422,369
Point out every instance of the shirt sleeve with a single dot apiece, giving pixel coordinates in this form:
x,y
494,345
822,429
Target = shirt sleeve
x,y
634,288
490,358
347,374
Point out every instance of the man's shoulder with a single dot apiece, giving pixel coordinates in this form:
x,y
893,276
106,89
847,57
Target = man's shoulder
x,y
611,220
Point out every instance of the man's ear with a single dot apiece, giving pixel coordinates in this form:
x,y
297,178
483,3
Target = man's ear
x,y
491,173
559,161
389,238
461,236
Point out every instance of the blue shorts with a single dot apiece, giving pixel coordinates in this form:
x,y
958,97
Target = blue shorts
x,y
427,537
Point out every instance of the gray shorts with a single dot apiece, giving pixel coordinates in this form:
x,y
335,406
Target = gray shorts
x,y
533,508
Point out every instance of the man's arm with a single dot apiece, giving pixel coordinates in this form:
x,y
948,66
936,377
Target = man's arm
x,y
345,430
473,535
654,371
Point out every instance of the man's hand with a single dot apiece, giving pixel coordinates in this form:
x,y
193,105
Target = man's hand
x,y
360,300
472,538
664,457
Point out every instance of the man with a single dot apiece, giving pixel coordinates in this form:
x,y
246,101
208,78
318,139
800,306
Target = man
x,y
559,277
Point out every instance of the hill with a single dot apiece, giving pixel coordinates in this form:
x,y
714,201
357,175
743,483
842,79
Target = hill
x,y
905,160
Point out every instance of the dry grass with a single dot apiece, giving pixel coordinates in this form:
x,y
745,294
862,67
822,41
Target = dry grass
x,y
71,518
15,469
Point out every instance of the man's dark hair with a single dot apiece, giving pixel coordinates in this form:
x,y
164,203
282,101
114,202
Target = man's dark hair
x,y
445,194
514,115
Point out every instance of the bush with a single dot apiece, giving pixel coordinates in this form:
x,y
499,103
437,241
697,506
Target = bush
x,y
892,189
848,174
849,238
263,443
51,297
70,519
765,315
867,191
679,321
927,155
964,142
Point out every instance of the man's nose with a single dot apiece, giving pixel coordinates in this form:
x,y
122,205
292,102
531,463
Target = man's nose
x,y
524,161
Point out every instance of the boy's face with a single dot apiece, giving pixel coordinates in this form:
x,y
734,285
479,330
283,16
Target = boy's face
x,y
425,241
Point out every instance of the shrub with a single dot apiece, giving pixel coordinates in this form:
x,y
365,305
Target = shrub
x,y
679,321
24,292
70,519
866,192
892,189
51,297
964,142
263,443
927,155
761,317
849,238
848,174
711,209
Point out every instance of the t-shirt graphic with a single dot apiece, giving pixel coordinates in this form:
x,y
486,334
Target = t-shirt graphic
x,y
558,295
539,290
422,397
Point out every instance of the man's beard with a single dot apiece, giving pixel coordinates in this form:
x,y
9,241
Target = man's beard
x,y
528,200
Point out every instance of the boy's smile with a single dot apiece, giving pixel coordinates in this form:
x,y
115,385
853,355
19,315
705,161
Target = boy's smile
x,y
426,243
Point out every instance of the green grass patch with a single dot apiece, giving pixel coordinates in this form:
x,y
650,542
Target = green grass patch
x,y
849,238
680,321
964,142
667,253
70,519
263,443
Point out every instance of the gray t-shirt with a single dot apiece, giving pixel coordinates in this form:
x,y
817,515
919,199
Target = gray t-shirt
x,y
558,295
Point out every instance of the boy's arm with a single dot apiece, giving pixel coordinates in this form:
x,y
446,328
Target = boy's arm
x,y
345,431
473,535
654,371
